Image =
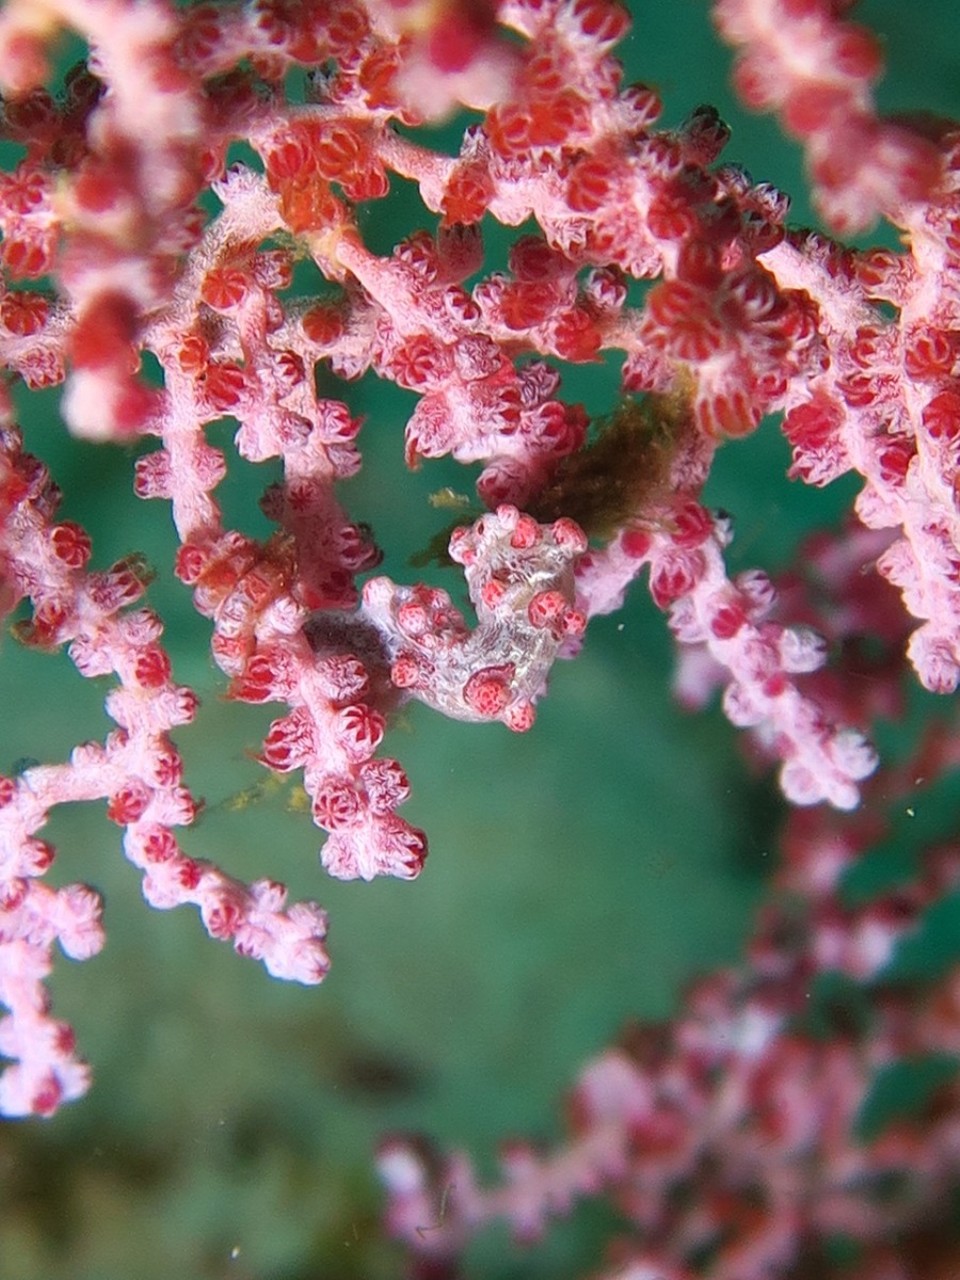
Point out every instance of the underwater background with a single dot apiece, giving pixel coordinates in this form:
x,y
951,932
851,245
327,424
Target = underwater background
x,y
579,875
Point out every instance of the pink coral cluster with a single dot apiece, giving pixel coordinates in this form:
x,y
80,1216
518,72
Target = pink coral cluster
x,y
731,1140
735,1141
110,256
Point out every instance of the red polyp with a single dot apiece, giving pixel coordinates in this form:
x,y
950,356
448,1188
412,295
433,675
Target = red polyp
x,y
105,333
454,42
487,691
545,608
406,671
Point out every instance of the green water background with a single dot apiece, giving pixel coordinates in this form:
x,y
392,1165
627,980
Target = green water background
x,y
578,875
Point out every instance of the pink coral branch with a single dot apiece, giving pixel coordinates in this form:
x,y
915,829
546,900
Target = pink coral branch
x,y
754,659
730,1134
137,770
802,60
